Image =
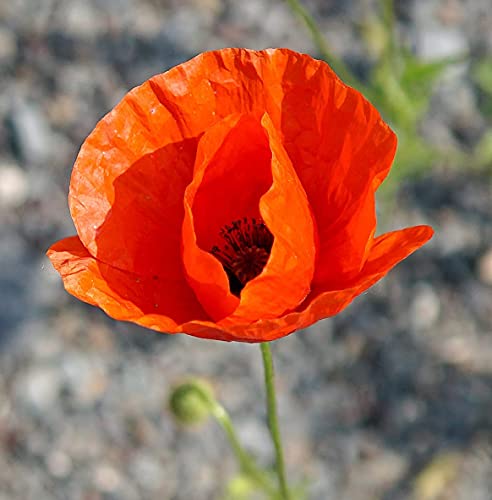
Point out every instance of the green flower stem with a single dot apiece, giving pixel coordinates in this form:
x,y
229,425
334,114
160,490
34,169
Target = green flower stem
x,y
273,419
338,65
245,461
388,15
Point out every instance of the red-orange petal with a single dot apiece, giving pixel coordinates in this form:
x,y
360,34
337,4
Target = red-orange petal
x,y
342,150
387,250
83,278
232,172
158,302
336,140
141,231
286,278
338,143
128,181
238,160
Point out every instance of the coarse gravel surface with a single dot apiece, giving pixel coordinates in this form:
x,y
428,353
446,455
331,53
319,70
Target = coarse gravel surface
x,y
390,400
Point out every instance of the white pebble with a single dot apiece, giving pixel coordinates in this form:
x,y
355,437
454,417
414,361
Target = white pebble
x,y
14,186
425,308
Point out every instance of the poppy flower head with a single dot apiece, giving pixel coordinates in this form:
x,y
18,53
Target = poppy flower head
x,y
233,198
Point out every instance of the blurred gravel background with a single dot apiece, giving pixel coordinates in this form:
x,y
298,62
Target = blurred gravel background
x,y
391,400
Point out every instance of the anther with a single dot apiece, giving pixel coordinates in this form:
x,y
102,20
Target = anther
x,y
246,246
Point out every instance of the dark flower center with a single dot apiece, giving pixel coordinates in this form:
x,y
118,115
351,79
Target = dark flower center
x,y
245,250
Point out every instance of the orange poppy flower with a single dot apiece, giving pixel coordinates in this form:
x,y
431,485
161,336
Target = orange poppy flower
x,y
232,198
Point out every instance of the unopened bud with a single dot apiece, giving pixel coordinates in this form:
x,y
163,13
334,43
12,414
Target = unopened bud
x,y
191,401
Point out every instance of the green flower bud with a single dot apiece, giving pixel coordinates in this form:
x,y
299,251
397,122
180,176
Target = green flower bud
x,y
191,401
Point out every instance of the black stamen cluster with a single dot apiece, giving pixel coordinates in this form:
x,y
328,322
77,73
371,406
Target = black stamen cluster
x,y
246,248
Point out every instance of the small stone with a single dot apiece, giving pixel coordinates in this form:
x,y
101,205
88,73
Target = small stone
x,y
39,388
485,267
59,464
8,45
14,186
146,23
31,131
147,471
81,20
374,473
100,338
92,389
45,348
86,380
425,308
106,478
62,110
457,235
82,442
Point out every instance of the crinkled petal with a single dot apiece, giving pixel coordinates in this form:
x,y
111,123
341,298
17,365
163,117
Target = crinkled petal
x,y
151,301
342,150
286,278
232,172
387,250
142,230
337,142
243,171
127,180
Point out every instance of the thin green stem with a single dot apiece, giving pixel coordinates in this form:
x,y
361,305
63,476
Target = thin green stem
x,y
388,16
273,419
337,64
246,462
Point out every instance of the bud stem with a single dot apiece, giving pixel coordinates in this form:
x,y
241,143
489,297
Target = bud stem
x,y
273,419
246,462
